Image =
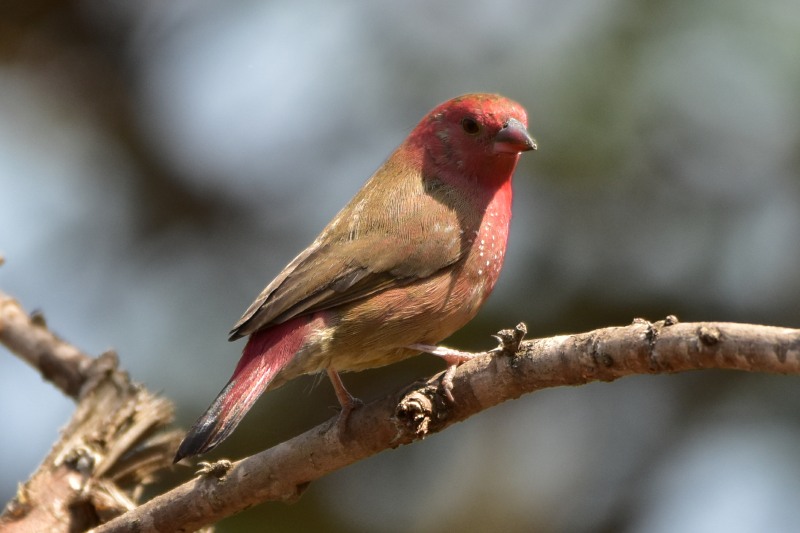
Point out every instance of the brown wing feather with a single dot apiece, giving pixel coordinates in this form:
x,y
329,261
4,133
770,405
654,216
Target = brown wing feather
x,y
411,231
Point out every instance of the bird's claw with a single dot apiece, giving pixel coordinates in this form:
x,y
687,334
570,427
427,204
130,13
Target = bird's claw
x,y
446,383
453,358
346,400
344,414
508,339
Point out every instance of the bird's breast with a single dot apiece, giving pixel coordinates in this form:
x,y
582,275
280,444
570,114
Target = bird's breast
x,y
488,246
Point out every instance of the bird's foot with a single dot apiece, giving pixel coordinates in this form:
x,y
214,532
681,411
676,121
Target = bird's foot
x,y
453,358
344,414
348,402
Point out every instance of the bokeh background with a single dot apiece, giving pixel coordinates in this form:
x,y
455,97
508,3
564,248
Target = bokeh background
x,y
161,161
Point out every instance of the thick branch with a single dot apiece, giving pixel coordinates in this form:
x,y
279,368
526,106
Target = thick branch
x,y
284,471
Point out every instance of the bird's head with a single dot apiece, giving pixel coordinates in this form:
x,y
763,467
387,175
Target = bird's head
x,y
478,135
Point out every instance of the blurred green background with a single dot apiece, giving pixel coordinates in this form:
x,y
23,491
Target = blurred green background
x,y
160,162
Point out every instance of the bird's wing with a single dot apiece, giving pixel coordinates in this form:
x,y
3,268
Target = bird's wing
x,y
377,242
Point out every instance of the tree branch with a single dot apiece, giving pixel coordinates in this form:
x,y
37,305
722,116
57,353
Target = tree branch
x,y
112,445
28,337
284,471
111,448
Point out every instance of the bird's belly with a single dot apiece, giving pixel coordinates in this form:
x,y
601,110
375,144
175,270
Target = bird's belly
x,y
376,331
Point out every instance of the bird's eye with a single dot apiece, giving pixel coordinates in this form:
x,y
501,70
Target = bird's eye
x,y
470,125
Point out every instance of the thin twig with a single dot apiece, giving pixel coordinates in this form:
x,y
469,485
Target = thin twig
x,y
29,338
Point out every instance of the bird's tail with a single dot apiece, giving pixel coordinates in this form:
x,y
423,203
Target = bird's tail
x,y
266,353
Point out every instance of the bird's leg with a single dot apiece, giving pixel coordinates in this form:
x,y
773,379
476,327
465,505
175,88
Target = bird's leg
x,y
346,400
452,357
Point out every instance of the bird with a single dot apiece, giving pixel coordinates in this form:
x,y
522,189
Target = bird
x,y
406,263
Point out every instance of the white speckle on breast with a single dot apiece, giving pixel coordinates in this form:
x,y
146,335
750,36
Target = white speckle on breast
x,y
488,253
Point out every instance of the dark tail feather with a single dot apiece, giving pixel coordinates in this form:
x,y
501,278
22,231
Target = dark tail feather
x,y
213,427
265,354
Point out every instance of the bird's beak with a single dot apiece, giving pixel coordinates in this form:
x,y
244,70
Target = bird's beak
x,y
513,138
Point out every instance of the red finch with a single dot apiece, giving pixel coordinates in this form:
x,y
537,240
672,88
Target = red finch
x,y
406,263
